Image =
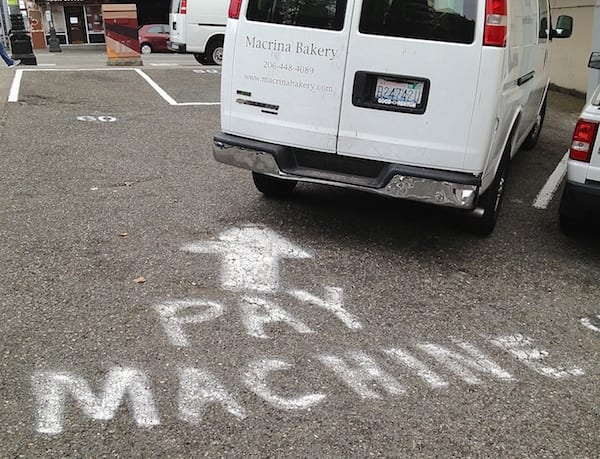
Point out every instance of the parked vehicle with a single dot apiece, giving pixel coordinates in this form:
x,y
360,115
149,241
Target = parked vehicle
x,y
153,38
581,195
198,27
414,99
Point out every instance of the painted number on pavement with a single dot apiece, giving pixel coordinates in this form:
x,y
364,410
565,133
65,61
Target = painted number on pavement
x,y
101,118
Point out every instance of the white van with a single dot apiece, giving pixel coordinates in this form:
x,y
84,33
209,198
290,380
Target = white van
x,y
198,27
418,99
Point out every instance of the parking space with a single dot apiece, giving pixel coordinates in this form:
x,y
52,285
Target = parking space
x,y
202,85
70,88
75,86
152,297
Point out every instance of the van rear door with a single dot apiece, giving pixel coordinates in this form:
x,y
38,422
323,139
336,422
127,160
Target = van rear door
x,y
411,82
283,72
177,23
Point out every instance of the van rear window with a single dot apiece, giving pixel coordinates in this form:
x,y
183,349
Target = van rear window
x,y
438,20
316,14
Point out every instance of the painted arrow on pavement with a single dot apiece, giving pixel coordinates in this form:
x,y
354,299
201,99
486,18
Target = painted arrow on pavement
x,y
251,256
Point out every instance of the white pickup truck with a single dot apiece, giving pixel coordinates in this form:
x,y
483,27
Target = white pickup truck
x,y
581,196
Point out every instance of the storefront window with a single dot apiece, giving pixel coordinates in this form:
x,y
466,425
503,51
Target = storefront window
x,y
94,19
58,18
54,14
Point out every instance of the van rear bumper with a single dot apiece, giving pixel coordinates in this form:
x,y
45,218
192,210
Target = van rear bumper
x,y
444,188
177,47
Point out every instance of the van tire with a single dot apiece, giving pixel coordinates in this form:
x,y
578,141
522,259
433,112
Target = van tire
x,y
199,58
534,135
213,54
273,186
491,200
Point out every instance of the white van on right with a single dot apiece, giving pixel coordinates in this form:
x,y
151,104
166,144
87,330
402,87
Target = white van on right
x,y
424,100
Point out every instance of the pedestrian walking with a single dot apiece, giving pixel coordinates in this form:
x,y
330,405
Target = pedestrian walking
x,y
6,58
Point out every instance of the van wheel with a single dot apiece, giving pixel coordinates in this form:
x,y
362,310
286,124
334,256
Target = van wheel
x,y
146,48
272,186
200,58
491,200
214,53
533,136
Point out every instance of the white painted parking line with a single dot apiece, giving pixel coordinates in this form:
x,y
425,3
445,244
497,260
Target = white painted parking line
x,y
207,104
13,95
167,97
546,194
593,323
161,92
96,69
16,84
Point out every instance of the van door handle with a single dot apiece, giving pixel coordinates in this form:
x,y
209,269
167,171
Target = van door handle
x,y
525,78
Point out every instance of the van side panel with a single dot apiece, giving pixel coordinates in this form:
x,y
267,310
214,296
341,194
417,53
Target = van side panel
x,y
542,60
516,97
527,70
226,72
204,19
487,136
194,29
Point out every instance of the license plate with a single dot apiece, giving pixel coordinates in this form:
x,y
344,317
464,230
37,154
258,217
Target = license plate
x,y
399,93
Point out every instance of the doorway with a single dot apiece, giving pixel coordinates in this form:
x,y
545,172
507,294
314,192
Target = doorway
x,y
76,28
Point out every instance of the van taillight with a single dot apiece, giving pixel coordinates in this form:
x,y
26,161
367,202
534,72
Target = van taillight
x,y
495,23
183,7
583,140
234,9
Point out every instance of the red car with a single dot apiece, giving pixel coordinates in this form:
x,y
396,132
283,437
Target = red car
x,y
153,38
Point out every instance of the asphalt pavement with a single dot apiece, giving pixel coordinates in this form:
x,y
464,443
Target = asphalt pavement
x,y
154,304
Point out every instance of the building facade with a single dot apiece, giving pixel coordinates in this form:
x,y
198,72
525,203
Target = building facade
x,y
80,21
568,64
4,22
75,21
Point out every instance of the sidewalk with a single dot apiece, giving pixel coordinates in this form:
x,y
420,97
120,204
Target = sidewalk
x,y
72,56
